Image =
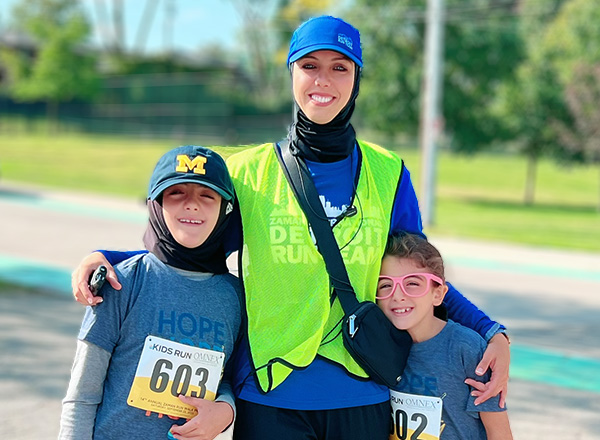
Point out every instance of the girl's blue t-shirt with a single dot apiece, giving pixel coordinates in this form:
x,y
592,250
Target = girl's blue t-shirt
x,y
324,385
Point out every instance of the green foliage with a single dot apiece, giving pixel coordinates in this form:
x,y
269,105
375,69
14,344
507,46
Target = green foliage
x,y
482,50
527,105
573,38
540,107
479,197
534,103
582,96
571,45
61,70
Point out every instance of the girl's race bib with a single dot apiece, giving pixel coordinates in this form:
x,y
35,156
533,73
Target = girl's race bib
x,y
415,417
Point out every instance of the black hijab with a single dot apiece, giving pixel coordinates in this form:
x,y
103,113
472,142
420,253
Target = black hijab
x,y
328,142
208,257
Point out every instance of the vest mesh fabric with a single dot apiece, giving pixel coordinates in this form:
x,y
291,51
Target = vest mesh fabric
x,y
286,284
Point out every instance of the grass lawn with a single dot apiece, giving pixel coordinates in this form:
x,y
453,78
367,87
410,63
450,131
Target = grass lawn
x,y
477,197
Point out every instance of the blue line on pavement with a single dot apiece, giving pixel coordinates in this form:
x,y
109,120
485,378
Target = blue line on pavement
x,y
551,367
32,274
81,209
527,363
530,269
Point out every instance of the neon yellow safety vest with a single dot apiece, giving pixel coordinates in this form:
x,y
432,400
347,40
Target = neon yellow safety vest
x,y
287,289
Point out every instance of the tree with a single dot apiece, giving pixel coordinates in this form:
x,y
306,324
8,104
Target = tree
x,y
526,106
112,28
573,37
528,102
267,34
482,49
541,112
582,96
61,69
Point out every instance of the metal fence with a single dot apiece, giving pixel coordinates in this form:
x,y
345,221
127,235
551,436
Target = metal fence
x,y
157,105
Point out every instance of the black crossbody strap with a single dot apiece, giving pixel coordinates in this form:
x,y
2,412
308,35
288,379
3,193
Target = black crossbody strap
x,y
306,195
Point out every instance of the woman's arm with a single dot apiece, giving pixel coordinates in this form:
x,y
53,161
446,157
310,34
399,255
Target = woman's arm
x,y
463,311
81,275
406,217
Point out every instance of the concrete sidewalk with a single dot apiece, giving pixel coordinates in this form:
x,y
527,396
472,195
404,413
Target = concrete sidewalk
x,y
549,300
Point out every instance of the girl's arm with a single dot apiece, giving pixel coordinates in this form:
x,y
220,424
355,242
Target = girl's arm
x,y
496,425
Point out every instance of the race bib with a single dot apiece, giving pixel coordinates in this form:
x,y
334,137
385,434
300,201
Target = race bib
x,y
167,369
415,417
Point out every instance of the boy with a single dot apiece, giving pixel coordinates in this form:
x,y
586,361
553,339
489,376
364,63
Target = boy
x,y
173,325
432,397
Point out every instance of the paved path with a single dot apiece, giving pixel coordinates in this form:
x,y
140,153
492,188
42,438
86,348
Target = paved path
x,y
550,301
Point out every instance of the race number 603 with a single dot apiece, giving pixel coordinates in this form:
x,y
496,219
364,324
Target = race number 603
x,y
168,369
181,378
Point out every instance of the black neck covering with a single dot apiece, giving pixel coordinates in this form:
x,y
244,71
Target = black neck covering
x,y
208,257
329,142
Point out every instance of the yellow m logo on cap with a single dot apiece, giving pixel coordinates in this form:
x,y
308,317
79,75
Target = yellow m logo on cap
x,y
185,164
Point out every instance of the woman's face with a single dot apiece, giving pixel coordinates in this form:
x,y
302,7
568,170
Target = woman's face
x,y
322,83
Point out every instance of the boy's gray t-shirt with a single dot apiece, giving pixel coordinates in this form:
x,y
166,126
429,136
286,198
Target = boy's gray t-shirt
x,y
438,367
155,300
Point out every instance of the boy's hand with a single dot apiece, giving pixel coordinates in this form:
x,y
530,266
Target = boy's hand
x,y
212,419
496,357
81,275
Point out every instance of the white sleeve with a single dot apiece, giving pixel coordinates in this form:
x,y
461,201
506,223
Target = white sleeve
x,y
84,393
225,394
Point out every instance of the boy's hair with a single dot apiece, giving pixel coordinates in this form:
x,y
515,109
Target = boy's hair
x,y
418,249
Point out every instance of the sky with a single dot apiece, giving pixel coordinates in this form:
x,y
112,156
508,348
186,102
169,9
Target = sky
x,y
196,23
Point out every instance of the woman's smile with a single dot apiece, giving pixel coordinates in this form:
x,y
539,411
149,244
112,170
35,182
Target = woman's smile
x,y
323,82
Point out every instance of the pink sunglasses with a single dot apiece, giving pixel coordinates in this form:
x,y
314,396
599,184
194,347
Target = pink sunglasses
x,y
412,284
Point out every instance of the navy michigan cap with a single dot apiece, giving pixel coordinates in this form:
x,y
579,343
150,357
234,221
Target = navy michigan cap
x,y
325,33
191,164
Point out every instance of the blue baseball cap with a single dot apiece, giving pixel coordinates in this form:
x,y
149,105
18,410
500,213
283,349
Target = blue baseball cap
x,y
325,33
191,164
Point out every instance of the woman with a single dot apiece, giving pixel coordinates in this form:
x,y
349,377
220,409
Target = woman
x,y
294,378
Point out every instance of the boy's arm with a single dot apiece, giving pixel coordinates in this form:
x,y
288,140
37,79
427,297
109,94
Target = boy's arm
x,y
213,417
496,425
84,393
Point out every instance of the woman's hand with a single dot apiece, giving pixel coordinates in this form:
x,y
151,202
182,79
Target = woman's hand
x,y
496,357
212,419
81,276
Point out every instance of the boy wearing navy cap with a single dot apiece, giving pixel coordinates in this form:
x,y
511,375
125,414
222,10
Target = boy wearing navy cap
x,y
172,327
